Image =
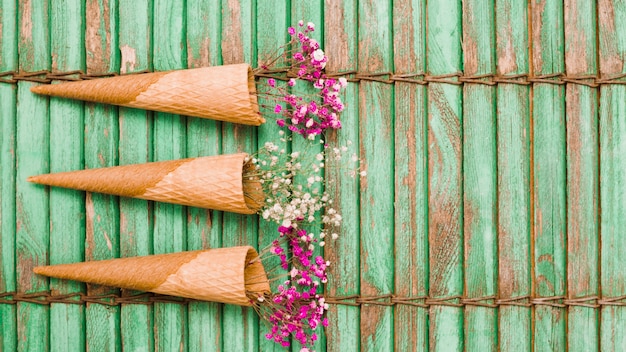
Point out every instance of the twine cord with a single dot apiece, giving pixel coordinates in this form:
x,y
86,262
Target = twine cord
x,y
421,78
592,302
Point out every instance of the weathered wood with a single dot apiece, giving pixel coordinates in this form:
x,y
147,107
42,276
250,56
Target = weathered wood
x,y
343,332
135,136
612,33
101,146
67,221
582,174
411,176
272,23
479,175
376,137
445,219
549,179
169,143
204,227
32,232
513,165
8,102
240,325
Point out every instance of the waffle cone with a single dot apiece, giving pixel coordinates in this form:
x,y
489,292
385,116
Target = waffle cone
x,y
225,93
214,182
225,275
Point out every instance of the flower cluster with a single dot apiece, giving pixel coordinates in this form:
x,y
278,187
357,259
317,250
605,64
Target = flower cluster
x,y
310,114
295,202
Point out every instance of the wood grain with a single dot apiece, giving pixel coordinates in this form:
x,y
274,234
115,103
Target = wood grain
x,y
411,176
67,221
32,217
240,325
101,147
513,165
169,132
204,227
445,219
612,33
135,138
343,332
8,97
549,175
376,137
582,173
479,175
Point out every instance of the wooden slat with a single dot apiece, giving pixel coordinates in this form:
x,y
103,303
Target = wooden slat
x,y
169,143
101,146
376,137
343,332
272,23
240,325
8,99
444,175
67,222
32,202
411,176
549,178
479,175
582,174
204,227
135,135
513,165
612,33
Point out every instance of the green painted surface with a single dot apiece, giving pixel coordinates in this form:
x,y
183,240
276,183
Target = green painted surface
x,y
8,99
549,175
445,185
513,147
479,176
411,178
67,220
472,189
582,174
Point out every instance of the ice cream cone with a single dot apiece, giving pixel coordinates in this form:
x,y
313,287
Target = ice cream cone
x,y
214,182
225,93
225,275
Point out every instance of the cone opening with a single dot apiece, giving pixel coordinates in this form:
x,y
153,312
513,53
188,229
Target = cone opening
x,y
252,189
252,89
255,278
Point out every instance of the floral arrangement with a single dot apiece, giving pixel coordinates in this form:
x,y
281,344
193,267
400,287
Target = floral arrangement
x,y
308,115
293,189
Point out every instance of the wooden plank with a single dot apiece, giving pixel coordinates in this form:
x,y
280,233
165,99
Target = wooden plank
x,y
169,143
612,32
32,202
376,144
204,227
240,325
479,176
8,97
513,165
549,179
272,23
101,135
411,175
343,332
444,175
135,136
67,226
582,174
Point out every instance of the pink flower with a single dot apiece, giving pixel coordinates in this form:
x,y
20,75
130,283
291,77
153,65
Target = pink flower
x,y
271,82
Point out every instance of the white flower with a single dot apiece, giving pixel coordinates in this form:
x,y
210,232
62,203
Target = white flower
x,y
363,173
343,81
334,236
318,55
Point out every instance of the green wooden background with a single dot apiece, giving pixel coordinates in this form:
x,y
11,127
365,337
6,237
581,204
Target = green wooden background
x,y
493,213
